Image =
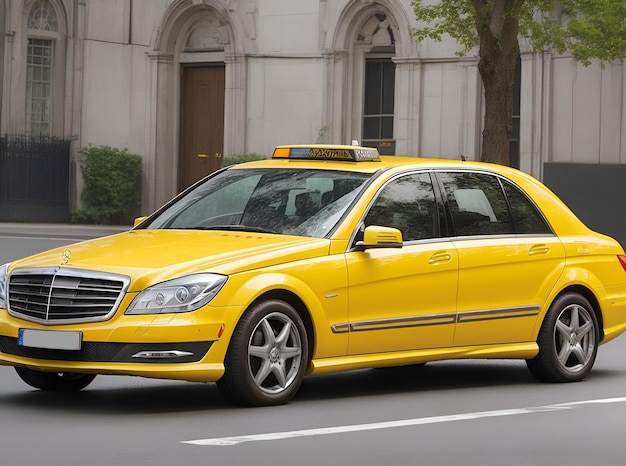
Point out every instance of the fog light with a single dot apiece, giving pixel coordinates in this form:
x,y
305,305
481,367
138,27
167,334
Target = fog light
x,y
165,354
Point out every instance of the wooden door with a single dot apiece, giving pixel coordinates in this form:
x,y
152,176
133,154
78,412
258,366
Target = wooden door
x,y
201,123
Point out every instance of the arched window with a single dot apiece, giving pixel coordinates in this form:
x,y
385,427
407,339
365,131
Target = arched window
x,y
42,17
43,32
208,35
377,39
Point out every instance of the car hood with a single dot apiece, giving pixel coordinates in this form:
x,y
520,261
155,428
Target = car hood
x,y
152,256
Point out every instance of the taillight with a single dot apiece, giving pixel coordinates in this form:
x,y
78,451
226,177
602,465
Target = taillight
x,y
622,260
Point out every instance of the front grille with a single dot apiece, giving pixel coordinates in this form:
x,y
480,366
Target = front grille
x,y
64,295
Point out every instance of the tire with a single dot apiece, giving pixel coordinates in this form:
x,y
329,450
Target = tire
x,y
55,381
267,357
568,341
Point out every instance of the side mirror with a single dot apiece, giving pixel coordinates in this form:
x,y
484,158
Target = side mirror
x,y
138,220
375,237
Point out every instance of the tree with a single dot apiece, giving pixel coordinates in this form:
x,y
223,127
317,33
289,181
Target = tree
x,y
589,29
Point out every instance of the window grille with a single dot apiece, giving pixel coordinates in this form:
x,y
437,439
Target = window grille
x,y
39,86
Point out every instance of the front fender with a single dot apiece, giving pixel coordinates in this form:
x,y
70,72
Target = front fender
x,y
322,289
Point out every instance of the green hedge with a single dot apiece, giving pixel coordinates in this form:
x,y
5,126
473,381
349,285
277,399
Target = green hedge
x,y
112,186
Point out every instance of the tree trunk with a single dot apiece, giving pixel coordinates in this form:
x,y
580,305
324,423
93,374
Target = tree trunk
x,y
499,48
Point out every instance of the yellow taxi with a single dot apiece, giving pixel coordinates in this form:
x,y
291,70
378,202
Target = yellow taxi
x,y
321,259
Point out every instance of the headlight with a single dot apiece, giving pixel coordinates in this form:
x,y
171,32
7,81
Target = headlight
x,y
184,294
3,285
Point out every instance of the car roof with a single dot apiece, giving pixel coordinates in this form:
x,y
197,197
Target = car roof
x,y
385,162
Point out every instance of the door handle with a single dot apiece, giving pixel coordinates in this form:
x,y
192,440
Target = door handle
x,y
539,249
440,257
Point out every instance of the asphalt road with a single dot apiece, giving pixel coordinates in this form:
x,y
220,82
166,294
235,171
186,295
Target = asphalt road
x,y
449,413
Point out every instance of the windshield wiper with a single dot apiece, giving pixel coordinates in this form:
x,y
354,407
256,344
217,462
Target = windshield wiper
x,y
234,228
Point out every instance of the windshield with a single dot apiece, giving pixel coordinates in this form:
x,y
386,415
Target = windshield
x,y
283,201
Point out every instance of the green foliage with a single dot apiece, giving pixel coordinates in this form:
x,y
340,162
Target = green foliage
x,y
597,28
454,18
589,29
112,186
241,158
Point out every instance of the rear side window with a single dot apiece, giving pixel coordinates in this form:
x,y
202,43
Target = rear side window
x,y
526,217
477,204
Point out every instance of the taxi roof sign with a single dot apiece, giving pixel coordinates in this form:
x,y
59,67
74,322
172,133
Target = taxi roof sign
x,y
327,152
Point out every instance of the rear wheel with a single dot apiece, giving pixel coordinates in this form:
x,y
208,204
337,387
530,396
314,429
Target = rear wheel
x,y
568,341
55,381
267,357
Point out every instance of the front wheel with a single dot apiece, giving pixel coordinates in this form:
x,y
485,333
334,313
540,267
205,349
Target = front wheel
x,y
267,356
54,381
568,341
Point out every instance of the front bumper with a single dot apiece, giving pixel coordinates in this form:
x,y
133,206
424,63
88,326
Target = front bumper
x,y
173,346
96,352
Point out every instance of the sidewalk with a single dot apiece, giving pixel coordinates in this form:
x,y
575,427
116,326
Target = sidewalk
x,y
59,230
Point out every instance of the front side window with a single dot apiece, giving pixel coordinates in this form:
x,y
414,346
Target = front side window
x,y
477,204
299,202
408,204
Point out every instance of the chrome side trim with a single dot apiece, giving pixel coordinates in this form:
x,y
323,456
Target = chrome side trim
x,y
403,322
504,313
437,319
340,328
394,323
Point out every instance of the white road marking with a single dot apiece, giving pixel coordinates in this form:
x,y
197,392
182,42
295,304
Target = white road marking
x,y
229,441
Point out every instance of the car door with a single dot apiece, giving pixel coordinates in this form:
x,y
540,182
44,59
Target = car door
x,y
509,259
403,298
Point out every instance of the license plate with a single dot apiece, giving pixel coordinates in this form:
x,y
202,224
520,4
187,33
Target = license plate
x,y
49,339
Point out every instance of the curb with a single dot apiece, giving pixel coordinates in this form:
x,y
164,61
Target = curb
x,y
57,230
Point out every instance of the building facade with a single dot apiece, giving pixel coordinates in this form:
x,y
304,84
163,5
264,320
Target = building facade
x,y
185,82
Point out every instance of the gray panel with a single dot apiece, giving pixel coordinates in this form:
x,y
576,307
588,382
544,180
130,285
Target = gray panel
x,y
596,194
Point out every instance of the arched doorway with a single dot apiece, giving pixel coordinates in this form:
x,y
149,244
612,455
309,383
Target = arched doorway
x,y
202,94
198,47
